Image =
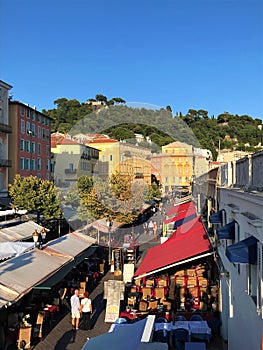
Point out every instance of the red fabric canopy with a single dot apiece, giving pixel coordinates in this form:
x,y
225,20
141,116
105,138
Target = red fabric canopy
x,y
181,215
191,225
186,245
176,209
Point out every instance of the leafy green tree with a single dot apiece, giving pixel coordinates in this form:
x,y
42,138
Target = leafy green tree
x,y
101,98
72,196
36,195
85,185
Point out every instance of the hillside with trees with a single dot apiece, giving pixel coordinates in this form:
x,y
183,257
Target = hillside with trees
x,y
233,132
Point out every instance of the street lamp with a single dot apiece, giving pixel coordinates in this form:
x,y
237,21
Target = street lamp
x,y
35,237
44,234
109,224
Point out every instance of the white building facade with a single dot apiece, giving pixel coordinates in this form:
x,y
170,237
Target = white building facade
x,y
240,251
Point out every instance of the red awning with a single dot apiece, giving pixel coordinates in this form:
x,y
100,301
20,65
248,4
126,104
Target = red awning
x,y
190,244
176,209
192,225
181,215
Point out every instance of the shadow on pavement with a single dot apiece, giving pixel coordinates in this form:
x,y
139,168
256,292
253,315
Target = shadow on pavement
x,y
99,305
67,338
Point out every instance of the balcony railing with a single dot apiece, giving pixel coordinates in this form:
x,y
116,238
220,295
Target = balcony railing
x,y
70,171
5,163
6,128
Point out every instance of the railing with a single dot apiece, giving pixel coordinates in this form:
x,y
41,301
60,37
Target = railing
x,y
5,163
244,173
6,128
70,171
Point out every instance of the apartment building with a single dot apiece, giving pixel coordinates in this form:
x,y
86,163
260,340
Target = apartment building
x,y
238,237
29,145
123,157
5,131
71,159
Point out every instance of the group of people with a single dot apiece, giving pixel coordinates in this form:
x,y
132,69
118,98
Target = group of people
x,y
82,309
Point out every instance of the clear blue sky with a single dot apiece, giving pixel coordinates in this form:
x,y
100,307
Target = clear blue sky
x,y
200,54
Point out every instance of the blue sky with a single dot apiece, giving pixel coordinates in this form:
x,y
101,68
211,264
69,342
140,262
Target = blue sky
x,y
200,54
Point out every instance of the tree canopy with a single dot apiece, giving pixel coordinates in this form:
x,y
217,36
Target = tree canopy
x,y
121,122
36,195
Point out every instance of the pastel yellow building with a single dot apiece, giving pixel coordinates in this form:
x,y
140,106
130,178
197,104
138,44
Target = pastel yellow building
x,y
71,159
122,157
175,165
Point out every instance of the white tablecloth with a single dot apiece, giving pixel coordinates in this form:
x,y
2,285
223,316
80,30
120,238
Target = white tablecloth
x,y
197,329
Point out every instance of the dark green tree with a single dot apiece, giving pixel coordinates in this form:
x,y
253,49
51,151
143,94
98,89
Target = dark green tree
x,y
36,195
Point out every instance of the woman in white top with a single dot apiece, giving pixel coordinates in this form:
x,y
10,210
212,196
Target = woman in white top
x,y
86,310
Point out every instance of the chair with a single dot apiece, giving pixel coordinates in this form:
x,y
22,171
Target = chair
x,y
120,320
160,336
178,337
196,318
161,320
180,318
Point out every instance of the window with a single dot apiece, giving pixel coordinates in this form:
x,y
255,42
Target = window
x,y
33,128
1,115
47,176
22,163
27,146
33,115
28,128
39,132
27,164
252,281
38,176
28,113
70,166
39,164
47,151
39,149
22,110
33,164
22,126
48,164
111,157
33,147
103,158
22,145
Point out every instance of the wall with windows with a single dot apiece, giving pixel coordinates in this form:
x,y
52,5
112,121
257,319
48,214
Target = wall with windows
x,y
5,131
29,146
242,283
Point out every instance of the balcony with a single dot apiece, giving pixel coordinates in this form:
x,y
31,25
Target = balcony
x,y
70,171
85,156
5,128
5,163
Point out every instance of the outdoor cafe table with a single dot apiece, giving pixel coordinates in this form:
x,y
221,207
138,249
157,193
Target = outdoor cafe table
x,y
196,329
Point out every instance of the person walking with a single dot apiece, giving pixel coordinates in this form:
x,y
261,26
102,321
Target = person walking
x,y
63,294
75,309
86,310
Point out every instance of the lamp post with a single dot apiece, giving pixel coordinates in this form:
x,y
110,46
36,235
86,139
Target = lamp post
x,y
35,237
109,224
44,234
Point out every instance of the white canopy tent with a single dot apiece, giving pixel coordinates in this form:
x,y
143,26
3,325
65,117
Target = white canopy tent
x,y
20,274
12,249
19,232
